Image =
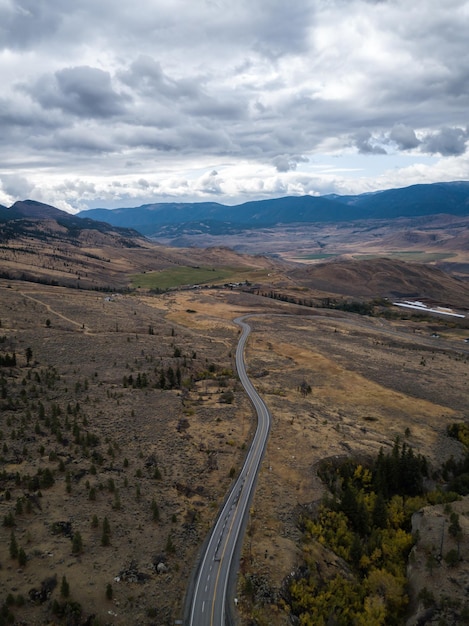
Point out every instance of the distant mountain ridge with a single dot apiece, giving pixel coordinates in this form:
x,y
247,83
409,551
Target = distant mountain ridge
x,y
173,218
41,243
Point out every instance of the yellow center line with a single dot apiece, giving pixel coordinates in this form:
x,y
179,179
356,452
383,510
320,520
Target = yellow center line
x,y
224,548
219,567
258,406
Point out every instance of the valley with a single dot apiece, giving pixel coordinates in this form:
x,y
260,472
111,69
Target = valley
x,y
117,447
123,422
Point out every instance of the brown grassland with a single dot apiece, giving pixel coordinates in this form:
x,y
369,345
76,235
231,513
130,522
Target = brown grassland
x,y
94,402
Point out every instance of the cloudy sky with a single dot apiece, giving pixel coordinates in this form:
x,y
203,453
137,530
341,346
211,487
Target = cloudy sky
x,y
106,103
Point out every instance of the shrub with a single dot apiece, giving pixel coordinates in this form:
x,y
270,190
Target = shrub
x,y
109,591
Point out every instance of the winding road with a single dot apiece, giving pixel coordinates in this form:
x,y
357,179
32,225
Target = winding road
x,y
208,600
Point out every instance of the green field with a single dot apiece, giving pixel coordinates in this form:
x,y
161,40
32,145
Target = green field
x,y
316,257
402,255
407,255
182,276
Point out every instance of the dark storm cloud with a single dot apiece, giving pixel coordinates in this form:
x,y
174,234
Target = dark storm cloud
x,y
83,91
366,145
448,142
404,137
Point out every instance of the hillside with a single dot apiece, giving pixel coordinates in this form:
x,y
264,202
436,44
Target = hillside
x,y
40,243
123,423
175,219
386,278
449,198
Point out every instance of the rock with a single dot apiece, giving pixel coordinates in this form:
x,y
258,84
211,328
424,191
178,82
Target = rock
x,y
47,587
62,528
131,574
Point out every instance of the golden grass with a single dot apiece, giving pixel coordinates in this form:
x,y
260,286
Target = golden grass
x,y
360,401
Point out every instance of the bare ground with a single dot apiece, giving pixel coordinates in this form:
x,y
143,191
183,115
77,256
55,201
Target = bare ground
x,y
371,381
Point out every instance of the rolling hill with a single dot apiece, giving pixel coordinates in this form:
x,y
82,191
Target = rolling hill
x,y
41,243
175,219
44,244
386,278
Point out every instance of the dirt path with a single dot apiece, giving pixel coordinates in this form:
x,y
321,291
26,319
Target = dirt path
x,y
48,307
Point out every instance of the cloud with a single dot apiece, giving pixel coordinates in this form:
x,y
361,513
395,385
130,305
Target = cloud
x,y
82,91
211,183
366,144
16,186
168,91
285,163
25,22
404,137
83,139
447,142
146,76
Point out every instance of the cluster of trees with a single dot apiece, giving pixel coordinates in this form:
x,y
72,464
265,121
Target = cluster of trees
x,y
8,360
49,421
171,376
366,522
286,298
361,308
167,378
456,472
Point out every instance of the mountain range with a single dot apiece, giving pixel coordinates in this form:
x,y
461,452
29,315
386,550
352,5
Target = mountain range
x,y
44,244
170,219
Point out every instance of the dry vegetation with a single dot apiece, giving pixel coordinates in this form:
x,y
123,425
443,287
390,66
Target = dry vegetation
x,y
441,240
88,406
112,449
370,383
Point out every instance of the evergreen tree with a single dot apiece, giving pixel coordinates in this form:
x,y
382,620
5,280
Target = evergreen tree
x,y
106,535
155,511
29,355
64,588
77,543
13,546
22,558
109,592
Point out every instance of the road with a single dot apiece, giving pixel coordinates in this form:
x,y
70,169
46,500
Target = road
x,y
208,603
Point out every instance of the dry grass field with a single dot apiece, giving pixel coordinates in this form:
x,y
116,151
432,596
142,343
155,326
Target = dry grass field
x,y
440,240
123,423
124,409
174,447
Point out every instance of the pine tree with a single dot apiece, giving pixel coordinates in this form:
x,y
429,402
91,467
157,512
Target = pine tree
x,y
29,355
155,511
64,588
13,546
106,535
77,543
22,558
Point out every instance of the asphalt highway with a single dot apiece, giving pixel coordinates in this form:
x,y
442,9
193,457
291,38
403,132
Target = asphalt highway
x,y
209,604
